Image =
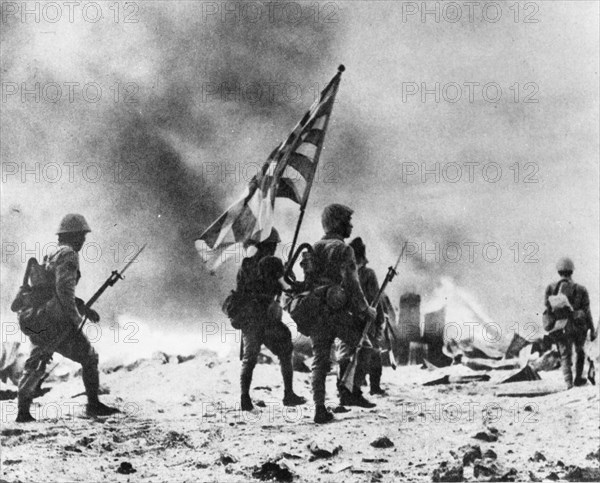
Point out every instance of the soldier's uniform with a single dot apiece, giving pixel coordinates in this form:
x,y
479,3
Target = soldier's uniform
x,y
258,285
577,332
56,328
370,285
334,264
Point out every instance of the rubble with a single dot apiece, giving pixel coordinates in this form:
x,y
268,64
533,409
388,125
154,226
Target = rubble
x,y
226,458
447,472
470,453
125,468
273,471
575,473
323,449
537,457
382,442
487,436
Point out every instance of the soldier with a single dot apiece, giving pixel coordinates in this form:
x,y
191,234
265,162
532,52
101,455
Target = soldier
x,y
258,285
580,321
335,266
62,315
370,286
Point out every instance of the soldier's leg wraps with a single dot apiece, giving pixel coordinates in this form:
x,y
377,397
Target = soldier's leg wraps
x,y
278,340
375,369
321,365
251,339
345,353
579,354
34,371
565,348
78,349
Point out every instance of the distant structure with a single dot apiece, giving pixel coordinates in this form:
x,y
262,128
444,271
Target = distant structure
x,y
409,323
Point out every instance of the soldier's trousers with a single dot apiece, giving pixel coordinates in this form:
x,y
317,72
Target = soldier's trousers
x,y
76,347
374,367
565,346
322,339
278,339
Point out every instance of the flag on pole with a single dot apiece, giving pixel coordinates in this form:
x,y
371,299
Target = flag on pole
x,y
288,173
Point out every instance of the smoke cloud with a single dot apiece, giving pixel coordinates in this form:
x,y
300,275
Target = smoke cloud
x,y
186,112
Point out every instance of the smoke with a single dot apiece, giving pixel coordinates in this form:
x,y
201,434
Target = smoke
x,y
182,115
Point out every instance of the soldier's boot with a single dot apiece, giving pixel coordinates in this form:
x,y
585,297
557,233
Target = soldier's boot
x,y
322,415
290,398
246,403
360,401
375,385
91,382
245,382
23,414
565,363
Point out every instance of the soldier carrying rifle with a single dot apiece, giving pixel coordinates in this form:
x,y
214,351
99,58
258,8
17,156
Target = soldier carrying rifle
x,y
53,324
334,307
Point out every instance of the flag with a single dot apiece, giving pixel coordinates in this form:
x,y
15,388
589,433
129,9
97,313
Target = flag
x,y
288,173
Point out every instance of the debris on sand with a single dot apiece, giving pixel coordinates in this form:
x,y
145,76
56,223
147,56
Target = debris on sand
x,y
553,477
72,448
575,473
490,471
375,460
487,436
447,472
490,454
458,379
323,449
382,442
173,439
125,468
226,458
525,374
470,453
273,471
593,456
537,457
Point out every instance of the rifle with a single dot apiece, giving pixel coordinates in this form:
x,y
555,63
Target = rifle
x,y
348,377
110,281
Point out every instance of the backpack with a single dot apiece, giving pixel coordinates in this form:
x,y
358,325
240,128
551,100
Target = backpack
x,y
36,290
560,313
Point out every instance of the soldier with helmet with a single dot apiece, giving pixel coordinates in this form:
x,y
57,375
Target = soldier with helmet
x,y
345,312
58,320
259,317
579,319
370,285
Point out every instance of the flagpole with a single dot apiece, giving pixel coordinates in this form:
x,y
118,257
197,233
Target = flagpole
x,y
341,69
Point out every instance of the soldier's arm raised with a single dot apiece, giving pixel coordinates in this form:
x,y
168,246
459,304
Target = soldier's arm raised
x,y
67,273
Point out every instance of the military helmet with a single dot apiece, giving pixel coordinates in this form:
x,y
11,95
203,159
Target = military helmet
x,y
565,265
73,223
360,250
333,215
273,237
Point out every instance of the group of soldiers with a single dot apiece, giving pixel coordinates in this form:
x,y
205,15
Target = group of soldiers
x,y
346,308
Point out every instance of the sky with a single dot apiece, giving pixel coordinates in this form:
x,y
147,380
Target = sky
x,y
472,136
